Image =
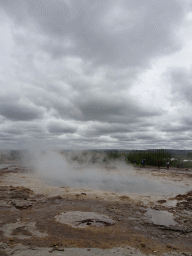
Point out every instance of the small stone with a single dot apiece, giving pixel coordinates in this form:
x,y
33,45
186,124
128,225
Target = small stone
x,y
169,246
83,194
161,201
60,249
22,204
88,249
143,245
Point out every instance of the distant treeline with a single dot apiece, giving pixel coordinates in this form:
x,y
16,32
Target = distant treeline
x,y
151,157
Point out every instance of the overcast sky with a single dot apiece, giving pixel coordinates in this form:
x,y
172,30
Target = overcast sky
x,y
82,74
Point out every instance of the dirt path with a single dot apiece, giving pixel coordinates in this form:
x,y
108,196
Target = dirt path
x,y
102,222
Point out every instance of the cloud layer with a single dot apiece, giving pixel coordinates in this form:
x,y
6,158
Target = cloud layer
x,y
95,74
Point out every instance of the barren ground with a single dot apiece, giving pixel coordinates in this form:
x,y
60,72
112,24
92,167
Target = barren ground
x,y
103,222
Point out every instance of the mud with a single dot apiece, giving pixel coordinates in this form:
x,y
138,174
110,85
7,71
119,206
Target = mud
x,y
29,211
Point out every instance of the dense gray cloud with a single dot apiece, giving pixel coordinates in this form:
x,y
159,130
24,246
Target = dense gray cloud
x,y
95,74
111,109
175,128
109,33
181,80
60,127
13,109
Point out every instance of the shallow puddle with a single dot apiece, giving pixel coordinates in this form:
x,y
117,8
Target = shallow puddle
x,y
161,217
171,203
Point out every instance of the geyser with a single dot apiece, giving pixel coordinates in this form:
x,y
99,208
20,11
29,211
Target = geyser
x,y
56,170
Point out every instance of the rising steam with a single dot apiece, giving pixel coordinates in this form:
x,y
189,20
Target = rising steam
x,y
58,169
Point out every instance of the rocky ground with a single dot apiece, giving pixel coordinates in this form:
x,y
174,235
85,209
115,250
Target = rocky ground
x,y
37,219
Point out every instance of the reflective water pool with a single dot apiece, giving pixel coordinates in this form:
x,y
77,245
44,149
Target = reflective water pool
x,y
161,217
117,181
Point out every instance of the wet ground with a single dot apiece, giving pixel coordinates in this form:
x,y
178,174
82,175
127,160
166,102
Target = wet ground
x,y
29,211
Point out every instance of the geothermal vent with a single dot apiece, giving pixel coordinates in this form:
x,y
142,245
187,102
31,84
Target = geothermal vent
x,y
79,219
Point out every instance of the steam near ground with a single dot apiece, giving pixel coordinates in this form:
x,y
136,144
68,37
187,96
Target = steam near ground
x,y
93,171
77,170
